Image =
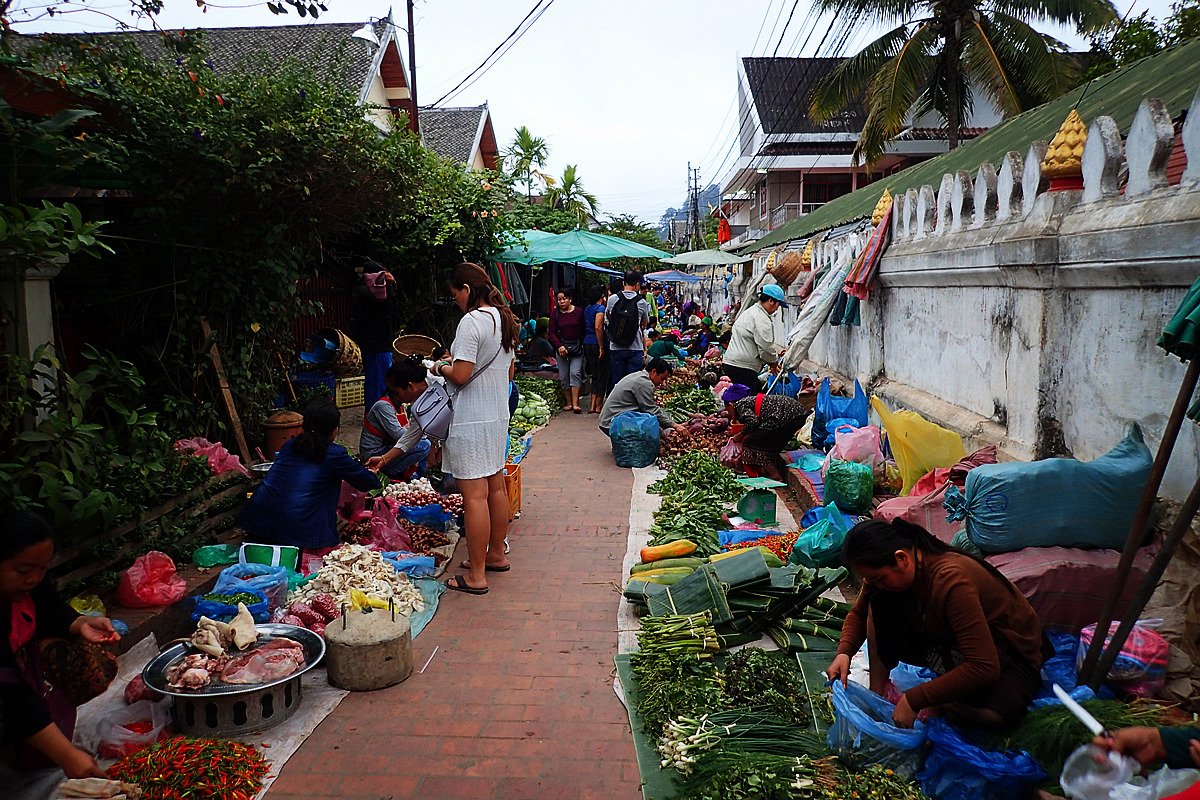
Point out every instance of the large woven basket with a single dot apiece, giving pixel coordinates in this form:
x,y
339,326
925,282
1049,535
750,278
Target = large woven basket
x,y
414,344
348,363
787,268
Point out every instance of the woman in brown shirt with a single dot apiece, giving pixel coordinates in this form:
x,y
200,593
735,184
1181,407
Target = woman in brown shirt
x,y
926,604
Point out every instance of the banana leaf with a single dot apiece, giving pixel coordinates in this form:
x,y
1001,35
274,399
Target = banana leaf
x,y
700,591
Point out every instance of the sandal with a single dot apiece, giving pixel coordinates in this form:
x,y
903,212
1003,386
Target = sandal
x,y
488,567
459,584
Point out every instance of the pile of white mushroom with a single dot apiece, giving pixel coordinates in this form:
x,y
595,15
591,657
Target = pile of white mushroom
x,y
354,566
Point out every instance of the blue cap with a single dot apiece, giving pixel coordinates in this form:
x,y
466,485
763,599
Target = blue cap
x,y
774,292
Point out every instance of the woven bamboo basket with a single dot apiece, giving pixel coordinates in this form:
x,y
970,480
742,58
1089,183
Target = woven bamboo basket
x,y
348,363
414,344
788,268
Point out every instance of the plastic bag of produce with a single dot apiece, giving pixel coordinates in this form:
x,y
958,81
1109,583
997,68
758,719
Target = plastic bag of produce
x,y
635,438
850,485
386,531
431,516
860,445
271,582
411,564
212,555
863,735
151,581
820,544
956,769
917,444
829,407
223,607
1141,666
731,455
132,728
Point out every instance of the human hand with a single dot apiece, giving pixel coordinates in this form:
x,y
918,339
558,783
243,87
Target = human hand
x,y
79,764
375,463
904,716
562,351
1143,744
1194,751
839,669
682,431
98,630
389,277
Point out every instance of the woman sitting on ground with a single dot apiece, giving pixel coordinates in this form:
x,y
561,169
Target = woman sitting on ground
x,y
296,503
36,722
769,421
929,605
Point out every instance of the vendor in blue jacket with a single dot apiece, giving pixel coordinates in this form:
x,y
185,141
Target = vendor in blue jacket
x,y
296,504
390,442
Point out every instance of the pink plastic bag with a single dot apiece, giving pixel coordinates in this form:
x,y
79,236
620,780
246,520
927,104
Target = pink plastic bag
x,y
731,454
1141,667
127,730
387,532
860,445
220,460
151,581
352,504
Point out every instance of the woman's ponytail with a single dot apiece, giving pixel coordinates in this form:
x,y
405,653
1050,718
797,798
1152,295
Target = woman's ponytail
x,y
321,419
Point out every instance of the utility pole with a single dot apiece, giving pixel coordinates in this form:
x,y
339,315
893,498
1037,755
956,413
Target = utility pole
x,y
698,243
414,123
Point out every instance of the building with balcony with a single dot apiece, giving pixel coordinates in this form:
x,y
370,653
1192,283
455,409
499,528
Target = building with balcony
x,y
789,165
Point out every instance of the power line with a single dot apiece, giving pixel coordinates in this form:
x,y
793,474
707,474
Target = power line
x,y
538,9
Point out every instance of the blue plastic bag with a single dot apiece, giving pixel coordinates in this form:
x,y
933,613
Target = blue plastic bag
x,y
431,516
737,537
223,612
787,385
1060,669
831,411
271,582
956,769
906,676
862,734
820,544
1058,502
634,439
411,564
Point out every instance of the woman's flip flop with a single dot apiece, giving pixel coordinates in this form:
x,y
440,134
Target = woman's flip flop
x,y
459,584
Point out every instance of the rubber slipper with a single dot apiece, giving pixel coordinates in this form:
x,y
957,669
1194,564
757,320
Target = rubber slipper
x,y
459,584
577,411
487,567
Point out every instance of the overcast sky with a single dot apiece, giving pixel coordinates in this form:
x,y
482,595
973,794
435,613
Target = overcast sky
x,y
628,90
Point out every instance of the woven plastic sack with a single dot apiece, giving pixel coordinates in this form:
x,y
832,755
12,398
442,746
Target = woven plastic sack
x,y
831,410
917,444
1141,666
271,582
956,769
223,612
635,439
151,581
851,486
820,544
862,734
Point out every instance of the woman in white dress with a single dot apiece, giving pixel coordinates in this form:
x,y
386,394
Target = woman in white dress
x,y
485,342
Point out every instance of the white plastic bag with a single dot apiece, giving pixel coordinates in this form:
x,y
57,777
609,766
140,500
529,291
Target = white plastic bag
x,y
118,741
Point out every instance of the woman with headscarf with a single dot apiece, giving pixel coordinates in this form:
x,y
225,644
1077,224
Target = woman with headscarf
x,y
769,422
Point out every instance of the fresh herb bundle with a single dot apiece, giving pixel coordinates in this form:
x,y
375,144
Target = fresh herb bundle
x,y
766,682
699,470
676,684
872,783
734,775
686,739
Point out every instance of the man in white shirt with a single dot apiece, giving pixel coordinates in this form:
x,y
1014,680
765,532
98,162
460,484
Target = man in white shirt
x,y
752,344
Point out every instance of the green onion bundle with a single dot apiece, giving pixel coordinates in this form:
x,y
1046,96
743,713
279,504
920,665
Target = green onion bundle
x,y
743,730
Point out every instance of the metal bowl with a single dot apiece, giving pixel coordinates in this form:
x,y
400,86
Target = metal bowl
x,y
155,672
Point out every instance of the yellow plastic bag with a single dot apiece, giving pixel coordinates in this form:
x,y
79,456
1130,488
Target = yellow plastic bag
x,y
88,604
360,600
918,445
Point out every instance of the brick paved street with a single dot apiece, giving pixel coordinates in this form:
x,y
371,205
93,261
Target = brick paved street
x,y
518,701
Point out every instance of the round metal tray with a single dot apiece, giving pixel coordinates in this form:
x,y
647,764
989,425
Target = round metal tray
x,y
155,672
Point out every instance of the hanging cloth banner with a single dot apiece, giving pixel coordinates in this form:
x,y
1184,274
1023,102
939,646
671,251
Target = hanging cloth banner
x,y
866,268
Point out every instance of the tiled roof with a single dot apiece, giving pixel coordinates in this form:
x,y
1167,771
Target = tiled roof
x,y
451,132
327,47
1170,76
782,87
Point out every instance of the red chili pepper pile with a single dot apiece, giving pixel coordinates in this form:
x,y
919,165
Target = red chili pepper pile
x,y
199,769
779,545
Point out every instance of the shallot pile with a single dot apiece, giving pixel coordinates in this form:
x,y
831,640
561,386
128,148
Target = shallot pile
x,y
421,493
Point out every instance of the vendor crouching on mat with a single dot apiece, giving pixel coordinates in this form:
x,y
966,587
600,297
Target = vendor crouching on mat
x,y
390,442
929,605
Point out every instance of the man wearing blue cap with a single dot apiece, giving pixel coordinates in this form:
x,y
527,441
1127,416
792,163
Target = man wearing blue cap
x,y
752,343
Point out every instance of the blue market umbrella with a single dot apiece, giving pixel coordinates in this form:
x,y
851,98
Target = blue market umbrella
x,y
587,246
672,276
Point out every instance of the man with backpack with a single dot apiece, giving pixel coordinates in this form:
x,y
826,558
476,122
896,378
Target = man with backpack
x,y
625,319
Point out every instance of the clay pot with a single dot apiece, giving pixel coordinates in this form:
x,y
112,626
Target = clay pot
x,y
279,427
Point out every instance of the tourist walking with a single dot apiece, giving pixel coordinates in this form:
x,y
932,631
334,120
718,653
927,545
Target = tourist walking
x,y
625,319
594,353
753,344
481,366
567,330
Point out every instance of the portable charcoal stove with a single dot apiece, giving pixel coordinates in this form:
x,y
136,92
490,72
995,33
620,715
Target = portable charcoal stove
x,y
229,710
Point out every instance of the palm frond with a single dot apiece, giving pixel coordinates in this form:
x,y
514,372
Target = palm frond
x,y
936,95
1009,61
877,12
847,82
892,91
1088,16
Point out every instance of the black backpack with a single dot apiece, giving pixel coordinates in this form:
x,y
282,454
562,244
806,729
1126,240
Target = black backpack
x,y
624,320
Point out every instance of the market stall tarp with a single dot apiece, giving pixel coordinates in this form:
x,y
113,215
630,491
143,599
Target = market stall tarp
x,y
587,246
672,276
518,243
706,258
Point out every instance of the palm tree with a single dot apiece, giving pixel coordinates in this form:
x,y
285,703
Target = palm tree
x,y
938,50
570,196
524,156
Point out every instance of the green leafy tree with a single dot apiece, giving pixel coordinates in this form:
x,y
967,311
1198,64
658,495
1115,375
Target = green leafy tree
x,y
540,216
569,195
524,159
1184,23
935,51
1123,43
